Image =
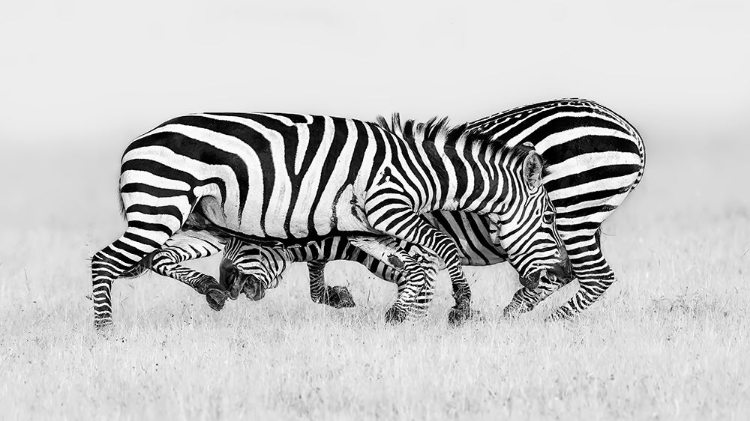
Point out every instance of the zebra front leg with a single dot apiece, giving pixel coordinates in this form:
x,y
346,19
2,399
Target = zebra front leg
x,y
588,292
385,269
401,222
526,299
411,275
414,284
431,266
594,276
334,296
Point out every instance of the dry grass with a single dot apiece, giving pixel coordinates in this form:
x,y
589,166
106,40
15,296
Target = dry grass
x,y
670,341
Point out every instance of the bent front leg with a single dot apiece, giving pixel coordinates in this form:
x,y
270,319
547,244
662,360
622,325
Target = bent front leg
x,y
413,277
431,266
589,292
334,296
403,223
526,299
594,276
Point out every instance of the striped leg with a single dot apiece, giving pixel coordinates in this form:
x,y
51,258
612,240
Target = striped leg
x,y
526,299
183,246
152,220
593,273
334,296
413,274
391,269
115,259
165,262
403,223
431,266
318,285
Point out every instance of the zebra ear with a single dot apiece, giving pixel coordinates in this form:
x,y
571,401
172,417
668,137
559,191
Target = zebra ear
x,y
532,171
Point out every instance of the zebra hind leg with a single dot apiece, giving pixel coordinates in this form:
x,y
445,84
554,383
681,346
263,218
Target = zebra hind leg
x,y
142,267
166,261
334,296
109,263
185,245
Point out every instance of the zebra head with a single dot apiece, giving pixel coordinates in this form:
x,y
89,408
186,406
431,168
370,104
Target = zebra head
x,y
250,268
526,227
510,192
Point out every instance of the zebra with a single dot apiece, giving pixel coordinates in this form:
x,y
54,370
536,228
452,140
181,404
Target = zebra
x,y
593,159
259,267
289,178
252,268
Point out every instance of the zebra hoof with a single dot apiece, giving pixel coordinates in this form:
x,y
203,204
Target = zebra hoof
x,y
103,325
458,316
395,316
216,298
215,294
461,312
562,314
340,297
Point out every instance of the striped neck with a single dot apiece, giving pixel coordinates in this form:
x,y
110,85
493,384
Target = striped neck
x,y
466,170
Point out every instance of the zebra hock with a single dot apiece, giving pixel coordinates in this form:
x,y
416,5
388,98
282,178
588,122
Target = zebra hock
x,y
297,177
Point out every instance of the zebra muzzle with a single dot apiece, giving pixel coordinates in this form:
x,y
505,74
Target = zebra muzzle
x,y
253,289
532,281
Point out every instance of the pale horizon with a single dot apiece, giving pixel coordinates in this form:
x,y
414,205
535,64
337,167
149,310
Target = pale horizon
x,y
94,73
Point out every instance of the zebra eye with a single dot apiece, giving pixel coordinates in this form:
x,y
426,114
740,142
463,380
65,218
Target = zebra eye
x,y
548,218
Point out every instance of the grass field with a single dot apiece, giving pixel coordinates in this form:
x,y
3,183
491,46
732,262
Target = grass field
x,y
669,341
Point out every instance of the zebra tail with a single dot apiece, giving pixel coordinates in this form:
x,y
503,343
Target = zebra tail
x,y
122,204
642,149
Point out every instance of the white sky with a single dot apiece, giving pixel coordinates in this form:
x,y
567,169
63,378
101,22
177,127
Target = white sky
x,y
96,71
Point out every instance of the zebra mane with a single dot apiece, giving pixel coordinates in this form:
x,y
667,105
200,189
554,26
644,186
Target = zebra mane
x,y
429,131
438,128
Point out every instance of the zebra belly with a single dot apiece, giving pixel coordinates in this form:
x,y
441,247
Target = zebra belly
x,y
337,210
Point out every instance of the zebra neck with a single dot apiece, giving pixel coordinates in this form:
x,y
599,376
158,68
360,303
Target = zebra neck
x,y
469,177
